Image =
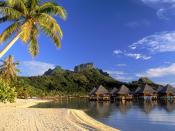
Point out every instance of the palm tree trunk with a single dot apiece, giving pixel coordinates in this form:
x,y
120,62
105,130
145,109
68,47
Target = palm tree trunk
x,y
9,45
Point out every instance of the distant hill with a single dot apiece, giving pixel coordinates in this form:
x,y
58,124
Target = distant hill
x,y
79,81
56,70
82,80
142,81
145,80
83,67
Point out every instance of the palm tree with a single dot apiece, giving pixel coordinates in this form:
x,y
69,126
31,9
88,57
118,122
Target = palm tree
x,y
28,18
8,70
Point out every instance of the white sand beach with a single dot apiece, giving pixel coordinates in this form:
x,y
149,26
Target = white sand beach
x,y
19,117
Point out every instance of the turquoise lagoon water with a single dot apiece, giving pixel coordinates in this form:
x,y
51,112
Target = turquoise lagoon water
x,y
126,116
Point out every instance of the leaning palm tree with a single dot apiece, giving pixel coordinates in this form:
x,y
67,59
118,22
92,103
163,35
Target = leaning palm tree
x,y
8,70
28,18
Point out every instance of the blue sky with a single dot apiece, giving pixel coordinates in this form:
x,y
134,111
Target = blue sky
x,y
126,38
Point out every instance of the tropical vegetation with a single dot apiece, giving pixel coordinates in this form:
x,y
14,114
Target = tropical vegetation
x,y
8,69
27,18
7,92
60,82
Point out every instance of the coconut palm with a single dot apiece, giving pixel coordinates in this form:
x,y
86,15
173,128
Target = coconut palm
x,y
8,70
28,18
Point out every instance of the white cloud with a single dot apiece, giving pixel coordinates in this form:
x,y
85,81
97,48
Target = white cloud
x,y
166,13
115,72
159,71
158,42
132,55
165,8
34,68
118,52
138,56
161,14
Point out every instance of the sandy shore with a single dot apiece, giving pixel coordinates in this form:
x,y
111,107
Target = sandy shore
x,y
18,117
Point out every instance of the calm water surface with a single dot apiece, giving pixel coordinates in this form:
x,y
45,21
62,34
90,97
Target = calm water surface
x,y
127,116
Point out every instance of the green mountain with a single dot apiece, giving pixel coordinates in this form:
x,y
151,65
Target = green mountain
x,y
56,70
83,67
81,81
58,81
141,82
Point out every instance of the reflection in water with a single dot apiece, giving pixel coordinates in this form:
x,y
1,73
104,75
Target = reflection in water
x,y
147,106
125,115
169,106
106,106
100,109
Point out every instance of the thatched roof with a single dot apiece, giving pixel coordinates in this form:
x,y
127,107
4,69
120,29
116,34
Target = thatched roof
x,y
92,91
146,89
114,90
123,90
167,89
101,90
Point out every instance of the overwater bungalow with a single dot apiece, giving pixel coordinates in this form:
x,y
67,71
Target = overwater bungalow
x,y
146,93
100,94
167,92
123,93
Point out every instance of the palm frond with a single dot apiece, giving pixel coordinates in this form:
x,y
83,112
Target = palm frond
x,y
8,32
26,31
18,5
11,12
8,70
27,16
52,35
4,19
51,23
32,4
33,45
53,9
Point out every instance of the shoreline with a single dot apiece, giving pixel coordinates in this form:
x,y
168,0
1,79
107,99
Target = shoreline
x,y
19,116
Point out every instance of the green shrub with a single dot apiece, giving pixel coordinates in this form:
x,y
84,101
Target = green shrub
x,y
24,90
7,93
